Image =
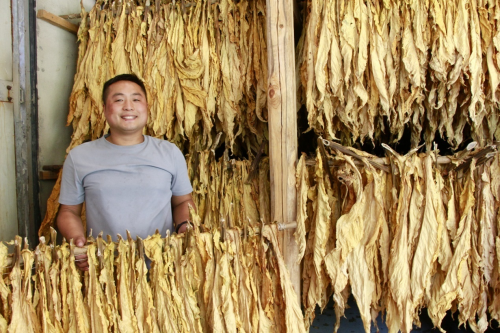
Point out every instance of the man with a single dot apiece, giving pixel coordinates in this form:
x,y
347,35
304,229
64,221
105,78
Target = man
x,y
129,181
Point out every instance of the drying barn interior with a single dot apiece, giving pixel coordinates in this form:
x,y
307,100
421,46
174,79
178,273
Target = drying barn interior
x,y
342,154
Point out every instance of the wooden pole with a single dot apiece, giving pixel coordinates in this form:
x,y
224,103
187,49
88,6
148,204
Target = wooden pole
x,y
281,105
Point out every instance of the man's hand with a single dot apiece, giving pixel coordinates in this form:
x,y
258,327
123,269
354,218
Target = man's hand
x,y
180,210
81,260
70,226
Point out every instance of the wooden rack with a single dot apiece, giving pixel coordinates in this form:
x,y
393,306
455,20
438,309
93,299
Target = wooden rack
x,y
481,155
83,250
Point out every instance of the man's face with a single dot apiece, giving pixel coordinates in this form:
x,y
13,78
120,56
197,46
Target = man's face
x,y
126,108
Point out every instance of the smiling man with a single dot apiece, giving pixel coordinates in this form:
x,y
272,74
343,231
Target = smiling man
x,y
128,181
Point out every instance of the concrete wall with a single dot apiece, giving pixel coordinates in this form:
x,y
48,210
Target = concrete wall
x,y
8,205
5,39
57,52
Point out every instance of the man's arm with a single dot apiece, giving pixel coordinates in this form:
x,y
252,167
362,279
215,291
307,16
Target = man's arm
x,y
69,223
180,209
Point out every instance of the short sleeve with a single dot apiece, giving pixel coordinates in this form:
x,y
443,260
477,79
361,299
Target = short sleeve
x,y
180,182
72,192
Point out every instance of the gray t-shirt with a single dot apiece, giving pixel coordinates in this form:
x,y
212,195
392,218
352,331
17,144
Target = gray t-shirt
x,y
125,187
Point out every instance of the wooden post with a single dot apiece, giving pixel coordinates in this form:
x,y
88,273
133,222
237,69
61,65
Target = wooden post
x,y
281,104
25,121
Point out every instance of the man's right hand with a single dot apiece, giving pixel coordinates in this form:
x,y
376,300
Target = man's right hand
x,y
70,226
81,260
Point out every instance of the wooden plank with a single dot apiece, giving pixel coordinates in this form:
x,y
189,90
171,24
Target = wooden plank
x,y
54,168
57,21
48,175
274,112
281,103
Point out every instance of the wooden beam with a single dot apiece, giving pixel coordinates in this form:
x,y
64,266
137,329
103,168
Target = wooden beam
x,y
282,111
57,21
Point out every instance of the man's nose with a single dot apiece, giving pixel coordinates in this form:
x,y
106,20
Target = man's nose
x,y
127,105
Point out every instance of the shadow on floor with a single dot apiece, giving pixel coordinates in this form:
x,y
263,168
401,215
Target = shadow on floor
x,y
351,323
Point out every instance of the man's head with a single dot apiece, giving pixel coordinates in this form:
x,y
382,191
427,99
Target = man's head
x,y
125,107
122,77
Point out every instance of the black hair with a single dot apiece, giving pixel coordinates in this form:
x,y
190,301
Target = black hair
x,y
122,77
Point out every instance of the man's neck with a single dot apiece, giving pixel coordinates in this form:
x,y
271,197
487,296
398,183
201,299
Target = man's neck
x,y
125,140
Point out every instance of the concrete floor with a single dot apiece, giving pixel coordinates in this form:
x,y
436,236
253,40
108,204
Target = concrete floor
x,y
351,323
